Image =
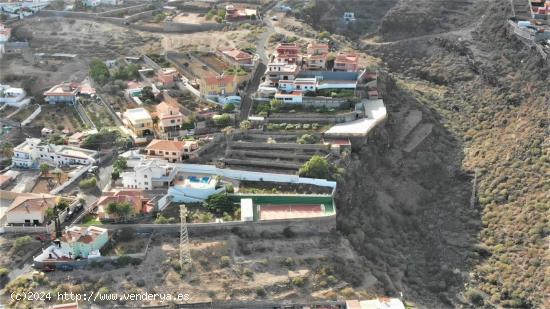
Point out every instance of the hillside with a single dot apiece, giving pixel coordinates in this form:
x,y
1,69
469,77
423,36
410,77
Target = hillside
x,y
483,100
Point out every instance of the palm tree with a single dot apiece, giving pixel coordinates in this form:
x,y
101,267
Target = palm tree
x,y
44,168
58,173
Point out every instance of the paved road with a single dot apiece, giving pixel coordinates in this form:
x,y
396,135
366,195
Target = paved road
x,y
254,83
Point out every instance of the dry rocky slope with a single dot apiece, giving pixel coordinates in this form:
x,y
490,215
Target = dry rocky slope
x,y
486,99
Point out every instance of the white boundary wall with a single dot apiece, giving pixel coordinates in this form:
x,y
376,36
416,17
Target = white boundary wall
x,y
253,176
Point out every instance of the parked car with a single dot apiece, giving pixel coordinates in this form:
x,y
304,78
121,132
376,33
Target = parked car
x,y
65,267
93,169
48,268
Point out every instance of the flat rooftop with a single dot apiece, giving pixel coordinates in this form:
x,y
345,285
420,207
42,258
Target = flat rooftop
x,y
375,112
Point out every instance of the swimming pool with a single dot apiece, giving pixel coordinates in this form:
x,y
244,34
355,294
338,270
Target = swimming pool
x,y
204,179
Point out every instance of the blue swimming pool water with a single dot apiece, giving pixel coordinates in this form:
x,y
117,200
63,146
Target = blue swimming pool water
x,y
204,179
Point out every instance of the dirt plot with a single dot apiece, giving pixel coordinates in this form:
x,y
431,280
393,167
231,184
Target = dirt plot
x,y
83,37
191,18
236,267
13,251
59,117
98,113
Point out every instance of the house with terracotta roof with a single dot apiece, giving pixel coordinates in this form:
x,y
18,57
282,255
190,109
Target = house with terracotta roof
x,y
173,151
236,13
236,56
134,197
82,242
62,93
167,77
169,115
287,53
317,54
348,62
215,85
27,208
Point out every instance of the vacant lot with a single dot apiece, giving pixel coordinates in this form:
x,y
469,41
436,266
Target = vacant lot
x,y
59,117
235,267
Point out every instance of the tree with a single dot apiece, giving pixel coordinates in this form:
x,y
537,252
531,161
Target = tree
x,y
275,104
223,120
219,203
156,120
99,71
121,210
316,167
7,149
120,163
229,107
115,175
57,173
44,168
245,124
147,94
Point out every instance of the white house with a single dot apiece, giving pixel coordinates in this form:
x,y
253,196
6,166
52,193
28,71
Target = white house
x,y
149,174
12,96
31,153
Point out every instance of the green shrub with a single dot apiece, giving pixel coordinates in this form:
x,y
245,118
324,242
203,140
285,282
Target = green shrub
x,y
21,242
474,296
225,261
261,292
298,281
88,183
4,272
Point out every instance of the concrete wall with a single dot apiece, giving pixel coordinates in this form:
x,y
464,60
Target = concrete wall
x,y
190,28
314,117
309,226
150,62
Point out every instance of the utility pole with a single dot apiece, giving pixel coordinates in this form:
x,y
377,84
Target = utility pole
x,y
185,254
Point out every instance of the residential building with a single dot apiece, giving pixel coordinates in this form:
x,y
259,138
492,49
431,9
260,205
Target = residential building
x,y
134,197
27,208
173,151
7,178
63,93
306,82
139,121
317,54
149,174
12,96
83,242
349,17
215,85
170,116
233,13
236,56
348,62
32,152
280,71
167,77
303,84
287,53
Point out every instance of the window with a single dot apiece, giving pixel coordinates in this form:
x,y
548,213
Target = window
x,y
173,153
146,183
172,121
144,176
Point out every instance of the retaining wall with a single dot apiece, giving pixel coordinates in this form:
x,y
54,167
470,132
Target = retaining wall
x,y
32,116
309,226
